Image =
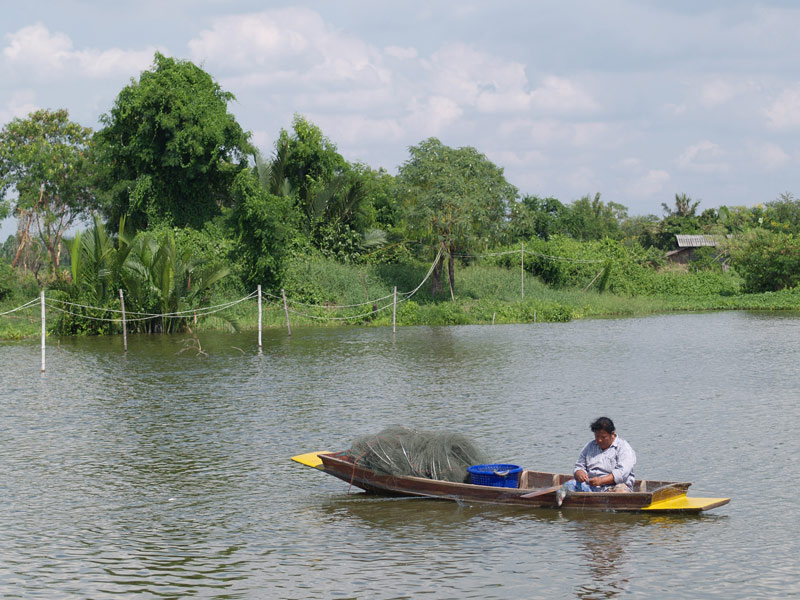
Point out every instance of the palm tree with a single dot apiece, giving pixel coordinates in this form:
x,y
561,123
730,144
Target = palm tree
x,y
684,207
163,280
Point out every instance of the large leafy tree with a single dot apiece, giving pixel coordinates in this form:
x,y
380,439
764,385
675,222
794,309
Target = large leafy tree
x,y
592,219
45,159
332,197
535,217
266,228
767,261
457,200
308,160
170,147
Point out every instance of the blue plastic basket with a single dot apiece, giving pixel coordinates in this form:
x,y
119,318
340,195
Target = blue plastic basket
x,y
495,475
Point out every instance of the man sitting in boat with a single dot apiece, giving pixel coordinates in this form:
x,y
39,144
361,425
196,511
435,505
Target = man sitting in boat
x,y
605,464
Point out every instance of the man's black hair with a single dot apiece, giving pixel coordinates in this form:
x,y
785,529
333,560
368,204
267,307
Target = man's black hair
x,y
603,424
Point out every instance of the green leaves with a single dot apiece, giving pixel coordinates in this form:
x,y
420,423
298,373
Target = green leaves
x,y
45,158
455,198
169,147
767,261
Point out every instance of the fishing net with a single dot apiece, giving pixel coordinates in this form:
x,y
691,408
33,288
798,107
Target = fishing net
x,y
430,454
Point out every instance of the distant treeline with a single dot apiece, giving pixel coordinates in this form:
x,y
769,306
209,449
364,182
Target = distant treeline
x,y
182,206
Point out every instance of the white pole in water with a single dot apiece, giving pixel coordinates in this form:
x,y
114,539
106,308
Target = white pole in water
x,y
286,310
124,325
394,311
522,266
41,300
259,316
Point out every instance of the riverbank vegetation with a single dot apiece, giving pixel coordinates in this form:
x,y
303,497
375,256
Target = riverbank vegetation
x,y
183,214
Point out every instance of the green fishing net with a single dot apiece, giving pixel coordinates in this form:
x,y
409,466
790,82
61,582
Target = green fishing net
x,y
431,454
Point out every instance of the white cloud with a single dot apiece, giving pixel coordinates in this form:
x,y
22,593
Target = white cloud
x,y
35,47
359,129
784,112
582,180
474,78
402,53
558,94
703,157
676,109
717,92
770,156
40,54
524,158
547,132
290,45
649,184
629,163
20,105
430,116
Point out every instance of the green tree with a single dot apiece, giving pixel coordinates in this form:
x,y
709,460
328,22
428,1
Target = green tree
x,y
266,229
535,217
45,159
640,229
592,219
332,197
678,221
767,261
94,269
783,214
170,148
684,207
161,278
457,200
95,263
308,160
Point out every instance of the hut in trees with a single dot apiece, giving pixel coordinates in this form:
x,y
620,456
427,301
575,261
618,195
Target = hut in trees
x,y
687,244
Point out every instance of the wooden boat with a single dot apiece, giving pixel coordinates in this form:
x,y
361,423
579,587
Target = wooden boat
x,y
537,489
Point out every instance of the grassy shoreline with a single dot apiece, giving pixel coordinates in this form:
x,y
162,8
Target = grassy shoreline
x,y
542,305
484,294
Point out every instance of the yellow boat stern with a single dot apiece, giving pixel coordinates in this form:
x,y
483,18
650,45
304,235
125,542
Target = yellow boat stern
x,y
310,459
686,504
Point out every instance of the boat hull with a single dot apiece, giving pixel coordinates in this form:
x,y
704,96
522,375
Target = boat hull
x,y
537,489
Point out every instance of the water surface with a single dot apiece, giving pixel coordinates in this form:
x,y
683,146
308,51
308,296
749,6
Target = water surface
x,y
164,472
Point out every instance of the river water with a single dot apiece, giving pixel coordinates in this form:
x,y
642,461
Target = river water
x,y
165,472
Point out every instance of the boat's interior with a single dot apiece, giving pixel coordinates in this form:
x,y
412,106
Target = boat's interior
x,y
539,479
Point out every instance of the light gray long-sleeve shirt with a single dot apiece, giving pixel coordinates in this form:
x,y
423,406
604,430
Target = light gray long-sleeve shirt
x,y
618,459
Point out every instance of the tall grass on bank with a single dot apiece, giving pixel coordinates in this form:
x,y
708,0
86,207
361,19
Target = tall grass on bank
x,y
484,294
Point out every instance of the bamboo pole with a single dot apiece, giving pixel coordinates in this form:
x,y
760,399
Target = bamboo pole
x,y
259,316
394,311
522,266
41,300
594,279
286,310
124,324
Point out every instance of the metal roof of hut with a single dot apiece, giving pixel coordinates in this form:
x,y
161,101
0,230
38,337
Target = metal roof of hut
x,y
697,241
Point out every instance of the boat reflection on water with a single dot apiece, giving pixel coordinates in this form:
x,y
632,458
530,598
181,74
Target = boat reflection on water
x,y
419,513
609,542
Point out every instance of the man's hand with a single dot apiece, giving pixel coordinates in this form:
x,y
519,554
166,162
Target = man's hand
x,y
602,480
581,476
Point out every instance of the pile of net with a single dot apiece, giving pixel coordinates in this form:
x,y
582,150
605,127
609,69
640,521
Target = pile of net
x,y
430,454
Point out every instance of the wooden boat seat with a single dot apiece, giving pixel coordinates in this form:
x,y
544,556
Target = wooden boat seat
x,y
536,479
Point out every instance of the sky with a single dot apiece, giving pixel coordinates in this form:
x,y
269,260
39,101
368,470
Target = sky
x,y
638,100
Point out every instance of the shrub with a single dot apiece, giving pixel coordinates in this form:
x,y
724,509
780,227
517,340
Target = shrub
x,y
767,261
